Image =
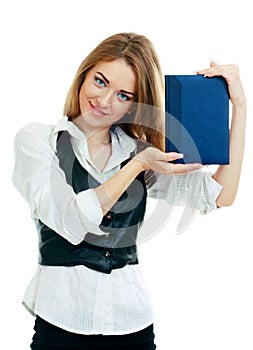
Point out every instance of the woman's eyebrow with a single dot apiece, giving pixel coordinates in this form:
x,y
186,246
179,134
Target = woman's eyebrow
x,y
127,92
108,82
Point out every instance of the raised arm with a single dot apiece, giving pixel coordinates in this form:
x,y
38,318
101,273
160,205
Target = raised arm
x,y
229,175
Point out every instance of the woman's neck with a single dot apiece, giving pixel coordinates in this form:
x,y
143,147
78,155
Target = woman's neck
x,y
98,136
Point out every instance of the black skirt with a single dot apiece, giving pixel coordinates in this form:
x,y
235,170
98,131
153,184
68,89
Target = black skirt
x,y
49,337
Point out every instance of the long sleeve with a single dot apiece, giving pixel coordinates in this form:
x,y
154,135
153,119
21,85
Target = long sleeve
x,y
82,309
196,190
40,180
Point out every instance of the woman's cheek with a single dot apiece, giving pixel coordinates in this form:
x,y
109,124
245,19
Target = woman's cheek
x,y
119,110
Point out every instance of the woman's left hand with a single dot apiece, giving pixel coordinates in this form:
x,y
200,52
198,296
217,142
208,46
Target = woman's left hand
x,y
230,72
229,175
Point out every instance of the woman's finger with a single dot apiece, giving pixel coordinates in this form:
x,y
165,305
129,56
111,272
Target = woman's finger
x,y
209,70
170,156
229,71
213,64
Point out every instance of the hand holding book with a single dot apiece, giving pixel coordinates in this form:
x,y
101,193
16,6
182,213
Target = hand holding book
x,y
229,175
230,73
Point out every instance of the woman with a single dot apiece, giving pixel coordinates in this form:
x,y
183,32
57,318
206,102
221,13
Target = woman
x,y
86,181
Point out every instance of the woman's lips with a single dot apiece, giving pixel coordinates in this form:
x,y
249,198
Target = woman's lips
x,y
97,111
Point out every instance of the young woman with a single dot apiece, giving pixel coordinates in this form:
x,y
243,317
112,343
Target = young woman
x,y
86,180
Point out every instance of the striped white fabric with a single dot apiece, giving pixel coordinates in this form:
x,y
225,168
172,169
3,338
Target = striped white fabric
x,y
76,298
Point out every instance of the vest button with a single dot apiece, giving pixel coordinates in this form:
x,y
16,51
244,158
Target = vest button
x,y
107,254
108,216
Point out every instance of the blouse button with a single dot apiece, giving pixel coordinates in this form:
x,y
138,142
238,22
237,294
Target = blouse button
x,y
107,254
108,216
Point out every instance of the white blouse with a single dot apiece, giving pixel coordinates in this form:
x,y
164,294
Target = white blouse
x,y
77,298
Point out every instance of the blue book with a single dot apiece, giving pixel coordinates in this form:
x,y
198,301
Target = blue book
x,y
197,118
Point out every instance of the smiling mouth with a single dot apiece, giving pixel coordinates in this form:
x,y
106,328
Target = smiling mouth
x,y
97,111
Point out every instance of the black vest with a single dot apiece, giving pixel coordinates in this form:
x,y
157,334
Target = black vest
x,y
103,253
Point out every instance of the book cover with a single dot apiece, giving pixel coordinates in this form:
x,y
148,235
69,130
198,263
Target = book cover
x,y
197,118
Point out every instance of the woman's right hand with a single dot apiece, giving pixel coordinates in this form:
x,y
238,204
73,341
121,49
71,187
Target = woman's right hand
x,y
156,160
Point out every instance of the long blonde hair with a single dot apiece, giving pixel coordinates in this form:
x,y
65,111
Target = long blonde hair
x,y
146,123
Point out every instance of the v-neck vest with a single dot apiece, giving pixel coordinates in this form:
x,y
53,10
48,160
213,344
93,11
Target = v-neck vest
x,y
117,247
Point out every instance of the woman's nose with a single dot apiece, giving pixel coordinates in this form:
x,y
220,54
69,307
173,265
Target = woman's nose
x,y
105,99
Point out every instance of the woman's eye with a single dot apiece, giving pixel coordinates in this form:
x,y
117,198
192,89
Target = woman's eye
x,y
123,97
99,81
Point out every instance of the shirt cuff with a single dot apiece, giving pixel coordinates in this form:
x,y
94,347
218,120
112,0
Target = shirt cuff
x,y
211,190
91,213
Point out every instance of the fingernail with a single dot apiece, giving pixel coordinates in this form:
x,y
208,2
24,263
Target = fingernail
x,y
180,156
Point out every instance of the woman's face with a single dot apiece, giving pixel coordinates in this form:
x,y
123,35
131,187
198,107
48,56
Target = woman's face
x,y
107,93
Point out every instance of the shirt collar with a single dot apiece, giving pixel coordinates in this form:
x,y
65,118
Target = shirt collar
x,y
64,124
122,144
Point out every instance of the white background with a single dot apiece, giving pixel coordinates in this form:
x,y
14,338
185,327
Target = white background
x,y
201,280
